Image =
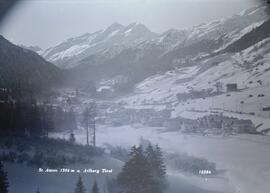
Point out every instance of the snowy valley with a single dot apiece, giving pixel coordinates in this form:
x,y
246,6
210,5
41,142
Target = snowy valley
x,y
209,83
200,93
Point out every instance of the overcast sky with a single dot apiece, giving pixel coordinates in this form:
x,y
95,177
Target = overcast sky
x,y
48,22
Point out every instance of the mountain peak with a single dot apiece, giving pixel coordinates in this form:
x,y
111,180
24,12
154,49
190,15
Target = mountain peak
x,y
135,25
138,29
115,26
131,25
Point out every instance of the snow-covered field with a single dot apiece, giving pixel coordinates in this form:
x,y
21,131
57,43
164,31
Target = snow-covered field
x,y
27,179
248,69
245,158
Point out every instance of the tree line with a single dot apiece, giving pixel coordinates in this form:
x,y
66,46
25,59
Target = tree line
x,y
31,118
4,184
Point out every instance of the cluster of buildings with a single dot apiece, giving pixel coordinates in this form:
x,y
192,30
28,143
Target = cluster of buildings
x,y
212,124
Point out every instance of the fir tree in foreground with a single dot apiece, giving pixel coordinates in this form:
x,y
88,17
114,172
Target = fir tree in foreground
x,y
79,186
155,158
158,169
3,180
144,172
95,188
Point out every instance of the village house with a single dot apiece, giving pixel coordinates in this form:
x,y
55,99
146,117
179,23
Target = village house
x,y
231,87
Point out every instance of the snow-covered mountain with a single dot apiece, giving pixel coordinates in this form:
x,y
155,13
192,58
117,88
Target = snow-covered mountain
x,y
109,41
202,88
229,27
188,74
116,38
135,52
177,66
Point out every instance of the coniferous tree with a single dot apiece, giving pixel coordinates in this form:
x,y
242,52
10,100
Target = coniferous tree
x,y
161,168
158,169
150,155
136,175
95,188
155,159
79,186
3,180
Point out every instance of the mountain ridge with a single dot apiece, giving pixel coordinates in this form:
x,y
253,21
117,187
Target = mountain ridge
x,y
24,70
